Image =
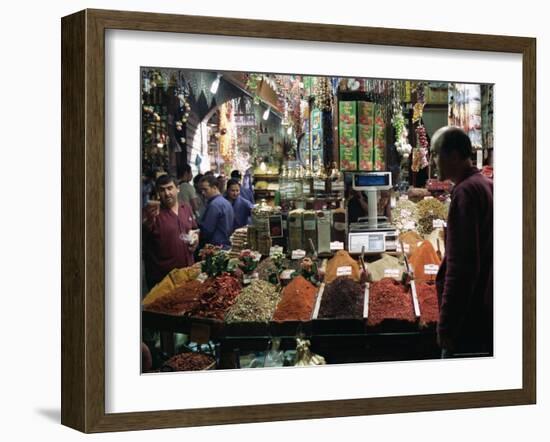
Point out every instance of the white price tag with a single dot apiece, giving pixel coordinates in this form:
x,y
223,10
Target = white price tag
x,y
275,249
336,245
406,248
404,197
431,269
286,274
202,277
405,212
392,273
428,197
343,271
439,223
409,225
298,254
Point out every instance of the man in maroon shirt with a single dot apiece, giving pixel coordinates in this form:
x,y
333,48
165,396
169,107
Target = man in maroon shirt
x,y
167,243
465,278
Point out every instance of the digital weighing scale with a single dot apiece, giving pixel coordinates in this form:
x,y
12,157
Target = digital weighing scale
x,y
372,234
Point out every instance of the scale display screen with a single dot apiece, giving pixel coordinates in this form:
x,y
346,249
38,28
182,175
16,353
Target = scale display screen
x,y
376,243
371,242
366,180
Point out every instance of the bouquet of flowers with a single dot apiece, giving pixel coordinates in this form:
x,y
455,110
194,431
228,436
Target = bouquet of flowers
x,y
248,260
214,260
308,269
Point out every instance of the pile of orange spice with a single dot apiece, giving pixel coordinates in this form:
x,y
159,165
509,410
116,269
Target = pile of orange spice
x,y
297,301
424,255
347,265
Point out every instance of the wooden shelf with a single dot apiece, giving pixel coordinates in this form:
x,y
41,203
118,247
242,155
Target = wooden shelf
x,y
266,177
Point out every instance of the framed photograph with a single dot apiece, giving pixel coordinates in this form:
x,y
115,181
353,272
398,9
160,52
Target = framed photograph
x,y
150,101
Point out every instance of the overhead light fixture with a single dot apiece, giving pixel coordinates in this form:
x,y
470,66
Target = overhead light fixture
x,y
215,84
266,114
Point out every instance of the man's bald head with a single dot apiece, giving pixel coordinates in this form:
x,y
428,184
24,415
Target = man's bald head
x,y
452,139
453,150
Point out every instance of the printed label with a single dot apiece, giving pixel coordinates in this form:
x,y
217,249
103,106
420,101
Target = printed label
x,y
336,245
343,271
286,274
319,185
298,254
431,269
405,212
275,249
404,197
339,226
392,273
438,223
309,225
409,225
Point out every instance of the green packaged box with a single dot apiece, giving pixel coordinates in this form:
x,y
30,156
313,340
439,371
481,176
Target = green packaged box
x,y
365,113
380,157
347,111
366,147
348,147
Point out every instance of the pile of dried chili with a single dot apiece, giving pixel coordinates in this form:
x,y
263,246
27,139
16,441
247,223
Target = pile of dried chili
x,y
429,305
342,298
187,362
389,299
297,301
220,294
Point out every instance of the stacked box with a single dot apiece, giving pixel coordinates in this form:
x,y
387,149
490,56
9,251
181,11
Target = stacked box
x,y
348,147
323,231
379,138
295,230
347,112
310,230
365,128
365,111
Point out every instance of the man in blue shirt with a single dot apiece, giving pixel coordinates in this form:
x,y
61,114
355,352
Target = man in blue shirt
x,y
246,192
216,223
242,208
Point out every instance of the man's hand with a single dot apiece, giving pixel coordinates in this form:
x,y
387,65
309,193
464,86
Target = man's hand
x,y
151,211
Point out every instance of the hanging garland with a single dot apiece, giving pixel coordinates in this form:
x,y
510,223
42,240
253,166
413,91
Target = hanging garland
x,y
420,152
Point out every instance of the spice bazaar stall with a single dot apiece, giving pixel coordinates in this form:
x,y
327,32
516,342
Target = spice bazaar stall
x,y
337,260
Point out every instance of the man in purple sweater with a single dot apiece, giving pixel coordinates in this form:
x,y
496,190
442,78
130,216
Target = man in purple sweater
x,y
465,278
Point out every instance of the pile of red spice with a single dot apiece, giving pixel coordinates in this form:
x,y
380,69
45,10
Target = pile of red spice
x,y
297,301
342,298
219,294
187,362
429,305
179,301
389,299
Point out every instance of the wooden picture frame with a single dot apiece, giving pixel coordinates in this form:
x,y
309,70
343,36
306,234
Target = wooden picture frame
x,y
83,219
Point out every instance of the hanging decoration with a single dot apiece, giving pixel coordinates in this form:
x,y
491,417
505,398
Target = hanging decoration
x,y
322,94
420,152
154,121
418,109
